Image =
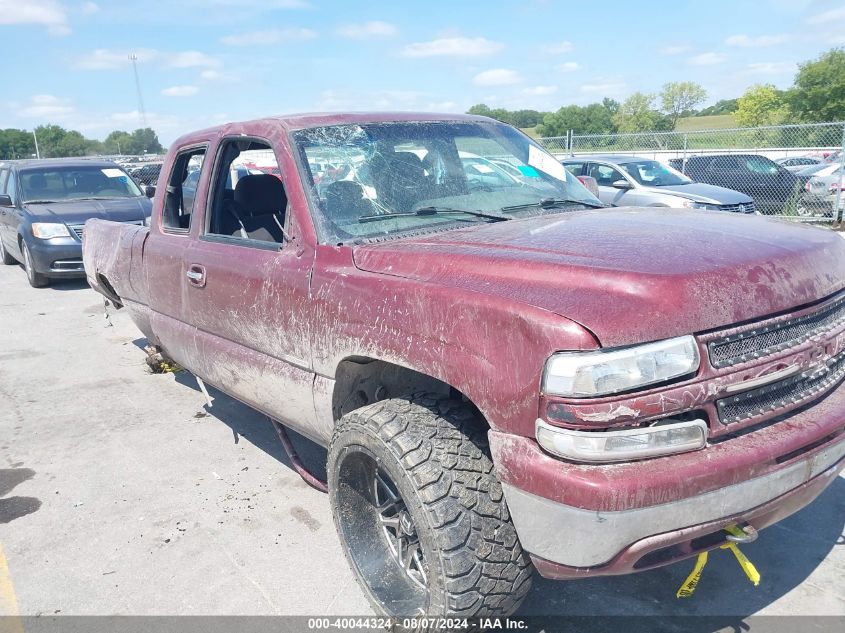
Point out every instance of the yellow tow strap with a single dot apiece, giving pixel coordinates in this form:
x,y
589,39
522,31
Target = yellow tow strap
x,y
688,587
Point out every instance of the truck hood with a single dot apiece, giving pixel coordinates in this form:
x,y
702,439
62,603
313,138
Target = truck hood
x,y
629,275
702,192
78,211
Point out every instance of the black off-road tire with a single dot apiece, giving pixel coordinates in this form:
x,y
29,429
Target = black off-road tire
x,y
435,451
5,257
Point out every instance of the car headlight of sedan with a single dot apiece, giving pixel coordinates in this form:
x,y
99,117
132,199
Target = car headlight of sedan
x,y
692,204
603,372
47,230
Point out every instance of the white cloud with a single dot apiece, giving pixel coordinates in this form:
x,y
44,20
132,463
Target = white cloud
x,y
497,77
707,59
760,41
104,59
271,36
559,48
46,106
190,59
569,67
605,86
441,106
541,90
90,7
42,12
180,91
675,50
772,68
453,47
374,28
827,16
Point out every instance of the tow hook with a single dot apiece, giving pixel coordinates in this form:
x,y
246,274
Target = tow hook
x,y
735,534
748,534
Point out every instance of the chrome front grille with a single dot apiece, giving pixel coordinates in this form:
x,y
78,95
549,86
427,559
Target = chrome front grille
x,y
738,208
763,341
789,391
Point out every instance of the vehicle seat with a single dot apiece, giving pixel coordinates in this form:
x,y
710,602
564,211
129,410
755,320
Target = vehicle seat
x,y
401,180
38,185
345,202
259,206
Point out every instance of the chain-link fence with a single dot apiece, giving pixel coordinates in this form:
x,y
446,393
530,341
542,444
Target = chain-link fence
x,y
795,171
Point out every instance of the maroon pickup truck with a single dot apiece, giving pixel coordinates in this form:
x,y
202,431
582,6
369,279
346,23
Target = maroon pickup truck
x,y
507,376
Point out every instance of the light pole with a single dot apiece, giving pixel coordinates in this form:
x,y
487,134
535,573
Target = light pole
x,y
35,138
134,59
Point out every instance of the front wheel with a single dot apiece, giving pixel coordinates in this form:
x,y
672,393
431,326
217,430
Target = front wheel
x,y
36,279
420,512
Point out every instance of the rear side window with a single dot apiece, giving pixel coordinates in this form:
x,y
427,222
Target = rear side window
x,y
9,187
574,168
761,165
181,190
725,163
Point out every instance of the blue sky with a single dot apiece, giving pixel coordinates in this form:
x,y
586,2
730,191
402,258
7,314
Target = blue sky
x,y
203,62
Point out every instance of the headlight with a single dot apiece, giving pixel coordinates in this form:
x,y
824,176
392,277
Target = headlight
x,y
603,372
46,230
690,204
614,446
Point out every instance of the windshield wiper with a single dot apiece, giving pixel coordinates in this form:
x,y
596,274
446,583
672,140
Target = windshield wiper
x,y
432,211
38,201
553,203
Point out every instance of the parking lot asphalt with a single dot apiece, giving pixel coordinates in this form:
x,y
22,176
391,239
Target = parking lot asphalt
x,y
122,493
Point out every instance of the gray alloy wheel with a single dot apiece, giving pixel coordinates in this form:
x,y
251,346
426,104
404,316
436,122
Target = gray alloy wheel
x,y
420,512
36,280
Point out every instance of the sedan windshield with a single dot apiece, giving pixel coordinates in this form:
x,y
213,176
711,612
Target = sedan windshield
x,y
57,184
650,173
390,179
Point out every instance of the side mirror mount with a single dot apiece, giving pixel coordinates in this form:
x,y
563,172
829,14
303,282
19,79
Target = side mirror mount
x,y
5,200
621,184
149,191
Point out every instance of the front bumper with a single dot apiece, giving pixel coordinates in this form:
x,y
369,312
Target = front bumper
x,y
602,519
59,257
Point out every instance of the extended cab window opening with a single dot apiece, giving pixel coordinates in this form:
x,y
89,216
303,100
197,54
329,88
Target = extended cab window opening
x,y
179,195
247,204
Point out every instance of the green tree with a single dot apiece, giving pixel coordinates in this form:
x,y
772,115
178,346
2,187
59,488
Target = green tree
x,y
679,97
49,140
637,114
16,144
145,140
117,142
818,93
724,106
762,104
526,118
595,118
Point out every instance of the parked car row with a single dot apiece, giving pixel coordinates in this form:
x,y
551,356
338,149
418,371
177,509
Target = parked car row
x,y
743,183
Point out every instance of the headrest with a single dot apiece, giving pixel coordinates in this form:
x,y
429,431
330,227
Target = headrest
x,y
260,194
38,181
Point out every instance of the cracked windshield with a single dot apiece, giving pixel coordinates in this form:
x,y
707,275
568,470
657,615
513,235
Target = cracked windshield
x,y
380,180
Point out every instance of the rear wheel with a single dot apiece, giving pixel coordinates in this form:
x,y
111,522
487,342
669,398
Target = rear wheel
x,y
420,513
36,279
5,257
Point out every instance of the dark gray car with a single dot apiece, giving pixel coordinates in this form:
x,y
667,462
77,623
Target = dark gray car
x,y
44,205
637,181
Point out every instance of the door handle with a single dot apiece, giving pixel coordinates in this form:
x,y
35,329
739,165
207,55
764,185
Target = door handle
x,y
196,275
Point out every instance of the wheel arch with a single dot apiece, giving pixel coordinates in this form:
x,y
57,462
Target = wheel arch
x,y
362,380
